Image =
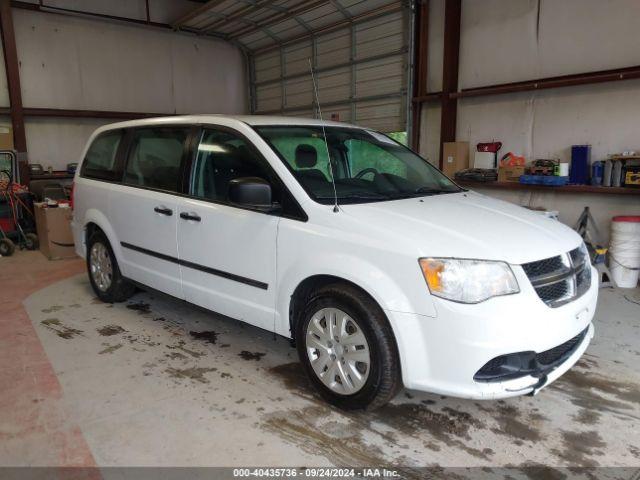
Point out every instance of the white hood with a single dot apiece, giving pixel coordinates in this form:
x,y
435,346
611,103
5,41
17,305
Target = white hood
x,y
466,225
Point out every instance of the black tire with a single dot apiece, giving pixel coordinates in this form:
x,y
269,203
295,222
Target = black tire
x,y
384,378
7,247
31,241
119,289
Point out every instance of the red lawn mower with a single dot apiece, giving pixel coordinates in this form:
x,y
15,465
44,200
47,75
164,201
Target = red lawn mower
x,y
17,224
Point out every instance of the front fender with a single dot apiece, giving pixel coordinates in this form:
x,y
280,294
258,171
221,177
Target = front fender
x,y
386,290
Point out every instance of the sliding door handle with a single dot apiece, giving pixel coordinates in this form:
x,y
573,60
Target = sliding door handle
x,y
190,216
163,211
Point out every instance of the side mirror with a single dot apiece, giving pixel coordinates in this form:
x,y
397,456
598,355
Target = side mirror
x,y
252,192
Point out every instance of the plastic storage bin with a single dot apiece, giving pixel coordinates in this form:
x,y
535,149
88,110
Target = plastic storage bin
x,y
579,173
624,250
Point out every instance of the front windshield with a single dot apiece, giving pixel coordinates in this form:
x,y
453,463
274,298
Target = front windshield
x,y
368,166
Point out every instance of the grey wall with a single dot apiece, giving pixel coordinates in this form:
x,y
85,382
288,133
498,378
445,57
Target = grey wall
x,y
80,63
504,41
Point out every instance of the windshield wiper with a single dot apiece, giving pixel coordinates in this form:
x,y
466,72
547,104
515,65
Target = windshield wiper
x,y
431,191
357,196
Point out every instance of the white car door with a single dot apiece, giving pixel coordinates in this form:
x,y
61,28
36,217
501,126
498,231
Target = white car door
x,y
227,253
144,209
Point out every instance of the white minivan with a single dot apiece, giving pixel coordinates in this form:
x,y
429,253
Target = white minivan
x,y
381,269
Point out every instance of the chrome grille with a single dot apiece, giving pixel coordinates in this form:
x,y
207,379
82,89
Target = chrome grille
x,y
561,279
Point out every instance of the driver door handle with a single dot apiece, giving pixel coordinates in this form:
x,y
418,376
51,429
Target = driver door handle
x,y
163,211
190,216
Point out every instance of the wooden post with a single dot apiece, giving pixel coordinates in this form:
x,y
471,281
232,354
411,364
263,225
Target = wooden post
x,y
13,83
420,59
452,14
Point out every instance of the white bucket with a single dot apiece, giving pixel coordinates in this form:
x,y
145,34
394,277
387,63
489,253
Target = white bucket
x,y
624,251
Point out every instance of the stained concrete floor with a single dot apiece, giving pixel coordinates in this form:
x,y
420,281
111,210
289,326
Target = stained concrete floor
x,y
155,381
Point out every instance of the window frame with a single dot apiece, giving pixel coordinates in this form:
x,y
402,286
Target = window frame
x,y
295,212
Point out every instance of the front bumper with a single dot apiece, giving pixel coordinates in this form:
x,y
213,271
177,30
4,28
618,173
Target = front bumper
x,y
442,354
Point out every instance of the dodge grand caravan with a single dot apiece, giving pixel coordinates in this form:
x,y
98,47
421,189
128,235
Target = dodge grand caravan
x,y
381,269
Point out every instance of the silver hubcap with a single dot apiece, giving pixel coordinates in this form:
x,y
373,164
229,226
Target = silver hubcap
x,y
101,268
338,351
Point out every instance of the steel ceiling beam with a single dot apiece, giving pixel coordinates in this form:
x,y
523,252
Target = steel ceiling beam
x,y
338,6
240,13
278,8
71,12
299,9
195,13
355,20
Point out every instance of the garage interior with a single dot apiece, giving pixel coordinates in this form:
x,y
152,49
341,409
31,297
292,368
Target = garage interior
x,y
157,382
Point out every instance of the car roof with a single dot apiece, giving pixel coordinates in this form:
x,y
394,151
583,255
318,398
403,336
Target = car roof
x,y
253,120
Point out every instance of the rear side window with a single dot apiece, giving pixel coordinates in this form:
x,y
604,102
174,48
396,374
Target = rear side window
x,y
100,160
155,157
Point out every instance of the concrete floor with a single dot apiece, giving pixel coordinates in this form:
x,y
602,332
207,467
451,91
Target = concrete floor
x,y
157,382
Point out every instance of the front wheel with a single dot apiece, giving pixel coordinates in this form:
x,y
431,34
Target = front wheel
x,y
31,241
7,247
104,274
347,348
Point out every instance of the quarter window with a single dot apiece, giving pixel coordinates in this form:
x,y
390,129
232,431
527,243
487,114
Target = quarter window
x,y
221,157
100,160
155,157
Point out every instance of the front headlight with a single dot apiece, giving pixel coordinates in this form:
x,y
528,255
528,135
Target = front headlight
x,y
468,281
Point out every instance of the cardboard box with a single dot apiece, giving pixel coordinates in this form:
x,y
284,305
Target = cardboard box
x,y
510,174
54,231
6,137
455,157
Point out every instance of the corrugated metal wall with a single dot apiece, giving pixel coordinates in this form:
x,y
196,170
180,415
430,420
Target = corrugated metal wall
x,y
362,74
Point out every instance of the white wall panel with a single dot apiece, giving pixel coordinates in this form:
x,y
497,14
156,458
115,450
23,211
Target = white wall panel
x,y
56,142
606,116
209,76
512,40
507,41
429,146
506,118
498,42
77,63
162,11
584,35
545,124
81,63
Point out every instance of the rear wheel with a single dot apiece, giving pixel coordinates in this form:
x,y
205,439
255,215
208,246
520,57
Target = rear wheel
x,y
347,348
105,277
31,241
7,247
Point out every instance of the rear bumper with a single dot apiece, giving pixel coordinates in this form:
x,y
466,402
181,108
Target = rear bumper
x,y
443,354
78,239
